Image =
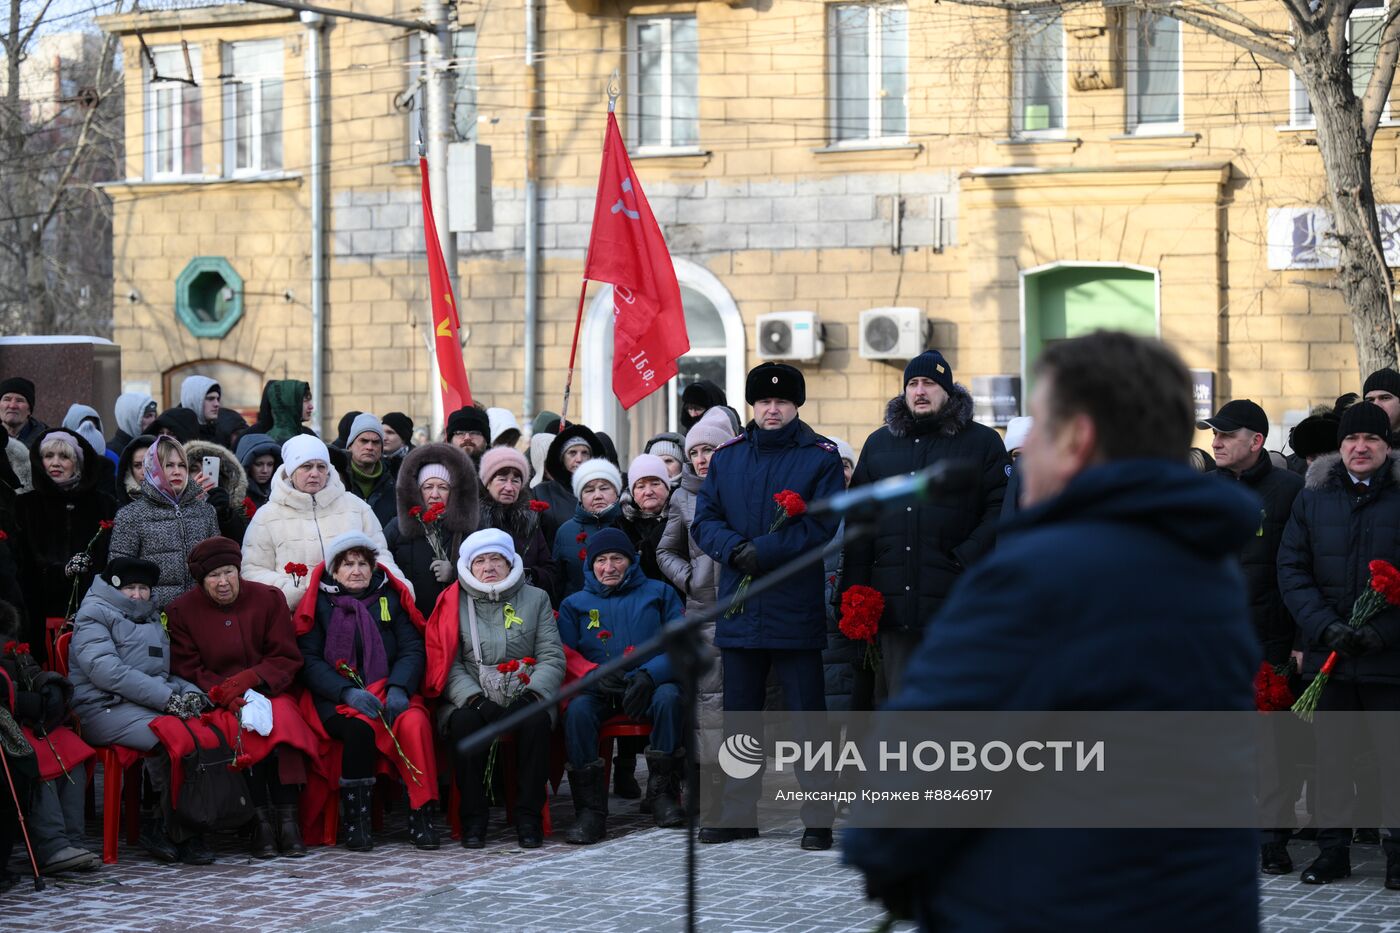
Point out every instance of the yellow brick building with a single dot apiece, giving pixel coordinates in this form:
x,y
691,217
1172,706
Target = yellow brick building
x,y
1014,179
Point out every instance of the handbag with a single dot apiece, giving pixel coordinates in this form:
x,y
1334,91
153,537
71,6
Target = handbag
x,y
493,682
213,796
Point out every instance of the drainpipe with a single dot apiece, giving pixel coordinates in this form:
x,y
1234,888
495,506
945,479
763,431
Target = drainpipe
x,y
315,25
532,210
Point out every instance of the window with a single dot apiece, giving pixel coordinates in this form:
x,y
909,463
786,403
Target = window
x,y
175,113
1154,73
463,106
208,296
252,107
1039,99
1364,28
665,78
868,49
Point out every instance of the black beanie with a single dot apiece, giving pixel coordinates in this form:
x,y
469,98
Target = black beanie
x,y
1385,380
775,380
1314,435
1364,418
123,571
469,418
20,386
402,425
931,365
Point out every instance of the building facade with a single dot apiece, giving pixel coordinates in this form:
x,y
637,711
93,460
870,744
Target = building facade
x,y
1015,179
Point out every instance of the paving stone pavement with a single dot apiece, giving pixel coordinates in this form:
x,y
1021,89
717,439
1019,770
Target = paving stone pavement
x,y
632,881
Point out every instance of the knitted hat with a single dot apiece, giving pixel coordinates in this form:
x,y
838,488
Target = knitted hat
x,y
844,451
647,466
1364,418
713,428
499,458
931,365
68,439
19,386
400,424
302,449
578,440
364,423
501,420
597,468
1017,430
666,445
123,571
469,418
610,541
487,541
1384,380
434,471
211,554
775,380
346,541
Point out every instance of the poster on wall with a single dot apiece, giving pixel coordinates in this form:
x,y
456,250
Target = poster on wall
x,y
996,399
1203,392
1301,237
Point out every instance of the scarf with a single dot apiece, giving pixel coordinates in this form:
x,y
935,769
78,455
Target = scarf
x,y
155,472
365,481
778,438
351,635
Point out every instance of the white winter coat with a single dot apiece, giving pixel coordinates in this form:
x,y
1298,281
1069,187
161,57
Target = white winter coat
x,y
295,527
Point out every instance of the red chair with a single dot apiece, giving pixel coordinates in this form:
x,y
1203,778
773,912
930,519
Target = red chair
x,y
115,778
53,631
615,728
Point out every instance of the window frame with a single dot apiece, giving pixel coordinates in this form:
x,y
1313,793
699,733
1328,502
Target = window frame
x,y
875,134
1130,59
228,96
153,107
1297,94
1018,95
667,116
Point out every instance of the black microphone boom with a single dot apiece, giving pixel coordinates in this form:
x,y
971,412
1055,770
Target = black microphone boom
x,y
944,476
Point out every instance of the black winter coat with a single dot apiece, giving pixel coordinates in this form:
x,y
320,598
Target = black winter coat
x,y
645,531
1277,488
405,535
527,531
918,553
555,488
1331,538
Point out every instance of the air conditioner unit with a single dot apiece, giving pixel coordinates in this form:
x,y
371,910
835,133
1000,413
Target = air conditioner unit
x,y
790,335
893,333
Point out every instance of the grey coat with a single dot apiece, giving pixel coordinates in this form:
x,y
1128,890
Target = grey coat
x,y
119,664
150,528
537,637
696,575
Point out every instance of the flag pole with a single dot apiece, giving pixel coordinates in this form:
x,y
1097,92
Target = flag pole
x,y
614,91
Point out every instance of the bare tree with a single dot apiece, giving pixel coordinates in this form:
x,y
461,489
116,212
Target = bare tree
x,y
55,144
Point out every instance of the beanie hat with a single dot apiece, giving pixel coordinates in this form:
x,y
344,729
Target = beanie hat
x,y
499,458
610,541
345,542
487,541
1017,430
596,468
644,466
211,554
1385,380
843,450
501,420
1364,418
542,423
364,423
1314,435
666,445
775,380
469,418
434,471
400,424
713,428
69,439
19,386
931,365
302,449
577,440
123,571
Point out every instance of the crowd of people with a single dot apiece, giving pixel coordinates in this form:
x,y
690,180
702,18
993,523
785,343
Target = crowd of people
x,y
337,612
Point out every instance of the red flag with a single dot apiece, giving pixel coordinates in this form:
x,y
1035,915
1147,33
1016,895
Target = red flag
x,y
452,372
627,251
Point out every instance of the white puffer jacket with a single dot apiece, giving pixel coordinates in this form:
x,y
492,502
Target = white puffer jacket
x,y
295,527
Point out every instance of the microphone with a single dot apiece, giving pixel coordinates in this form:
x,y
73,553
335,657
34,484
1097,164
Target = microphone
x,y
944,476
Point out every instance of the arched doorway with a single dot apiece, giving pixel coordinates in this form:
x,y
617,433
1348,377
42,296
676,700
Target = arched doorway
x,y
241,385
716,331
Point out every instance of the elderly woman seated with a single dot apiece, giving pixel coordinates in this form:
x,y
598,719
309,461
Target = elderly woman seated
x,y
509,656
361,641
234,639
617,608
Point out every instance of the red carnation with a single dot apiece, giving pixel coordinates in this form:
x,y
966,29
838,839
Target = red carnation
x,y
502,668
415,511
604,634
1385,579
583,553
249,506
22,648
581,537
790,502
295,571
11,647
523,677
538,506
243,761
512,666
3,536
528,661
629,649
1271,689
105,525
433,513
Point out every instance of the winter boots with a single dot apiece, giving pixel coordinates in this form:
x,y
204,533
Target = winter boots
x,y
664,787
154,840
264,842
355,794
289,831
420,827
625,779
590,804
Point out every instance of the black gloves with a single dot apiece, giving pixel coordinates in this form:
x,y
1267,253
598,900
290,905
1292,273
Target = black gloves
x,y
362,701
744,558
636,702
612,685
1367,640
395,704
218,498
1340,638
489,709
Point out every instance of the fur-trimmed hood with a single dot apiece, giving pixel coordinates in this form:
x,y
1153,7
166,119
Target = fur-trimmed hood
x,y
124,481
18,455
1326,472
462,506
232,479
554,459
39,477
955,415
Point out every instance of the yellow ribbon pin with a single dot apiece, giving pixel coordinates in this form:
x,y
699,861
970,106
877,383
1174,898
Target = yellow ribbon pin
x,y
593,620
384,609
165,623
511,617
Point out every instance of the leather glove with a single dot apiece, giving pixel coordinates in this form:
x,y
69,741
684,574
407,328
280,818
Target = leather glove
x,y
77,565
395,704
525,699
489,709
234,687
443,571
636,702
1367,640
744,558
362,701
218,498
1340,638
613,685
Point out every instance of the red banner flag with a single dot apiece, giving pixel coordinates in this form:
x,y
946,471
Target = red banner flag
x,y
452,372
627,251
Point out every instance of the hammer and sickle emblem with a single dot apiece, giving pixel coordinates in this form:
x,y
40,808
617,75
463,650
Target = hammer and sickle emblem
x,y
621,206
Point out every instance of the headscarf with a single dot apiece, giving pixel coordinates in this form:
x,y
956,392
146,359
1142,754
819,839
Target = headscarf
x,y
155,469
285,399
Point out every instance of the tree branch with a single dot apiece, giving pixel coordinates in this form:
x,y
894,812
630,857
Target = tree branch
x,y
1382,76
80,146
24,40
